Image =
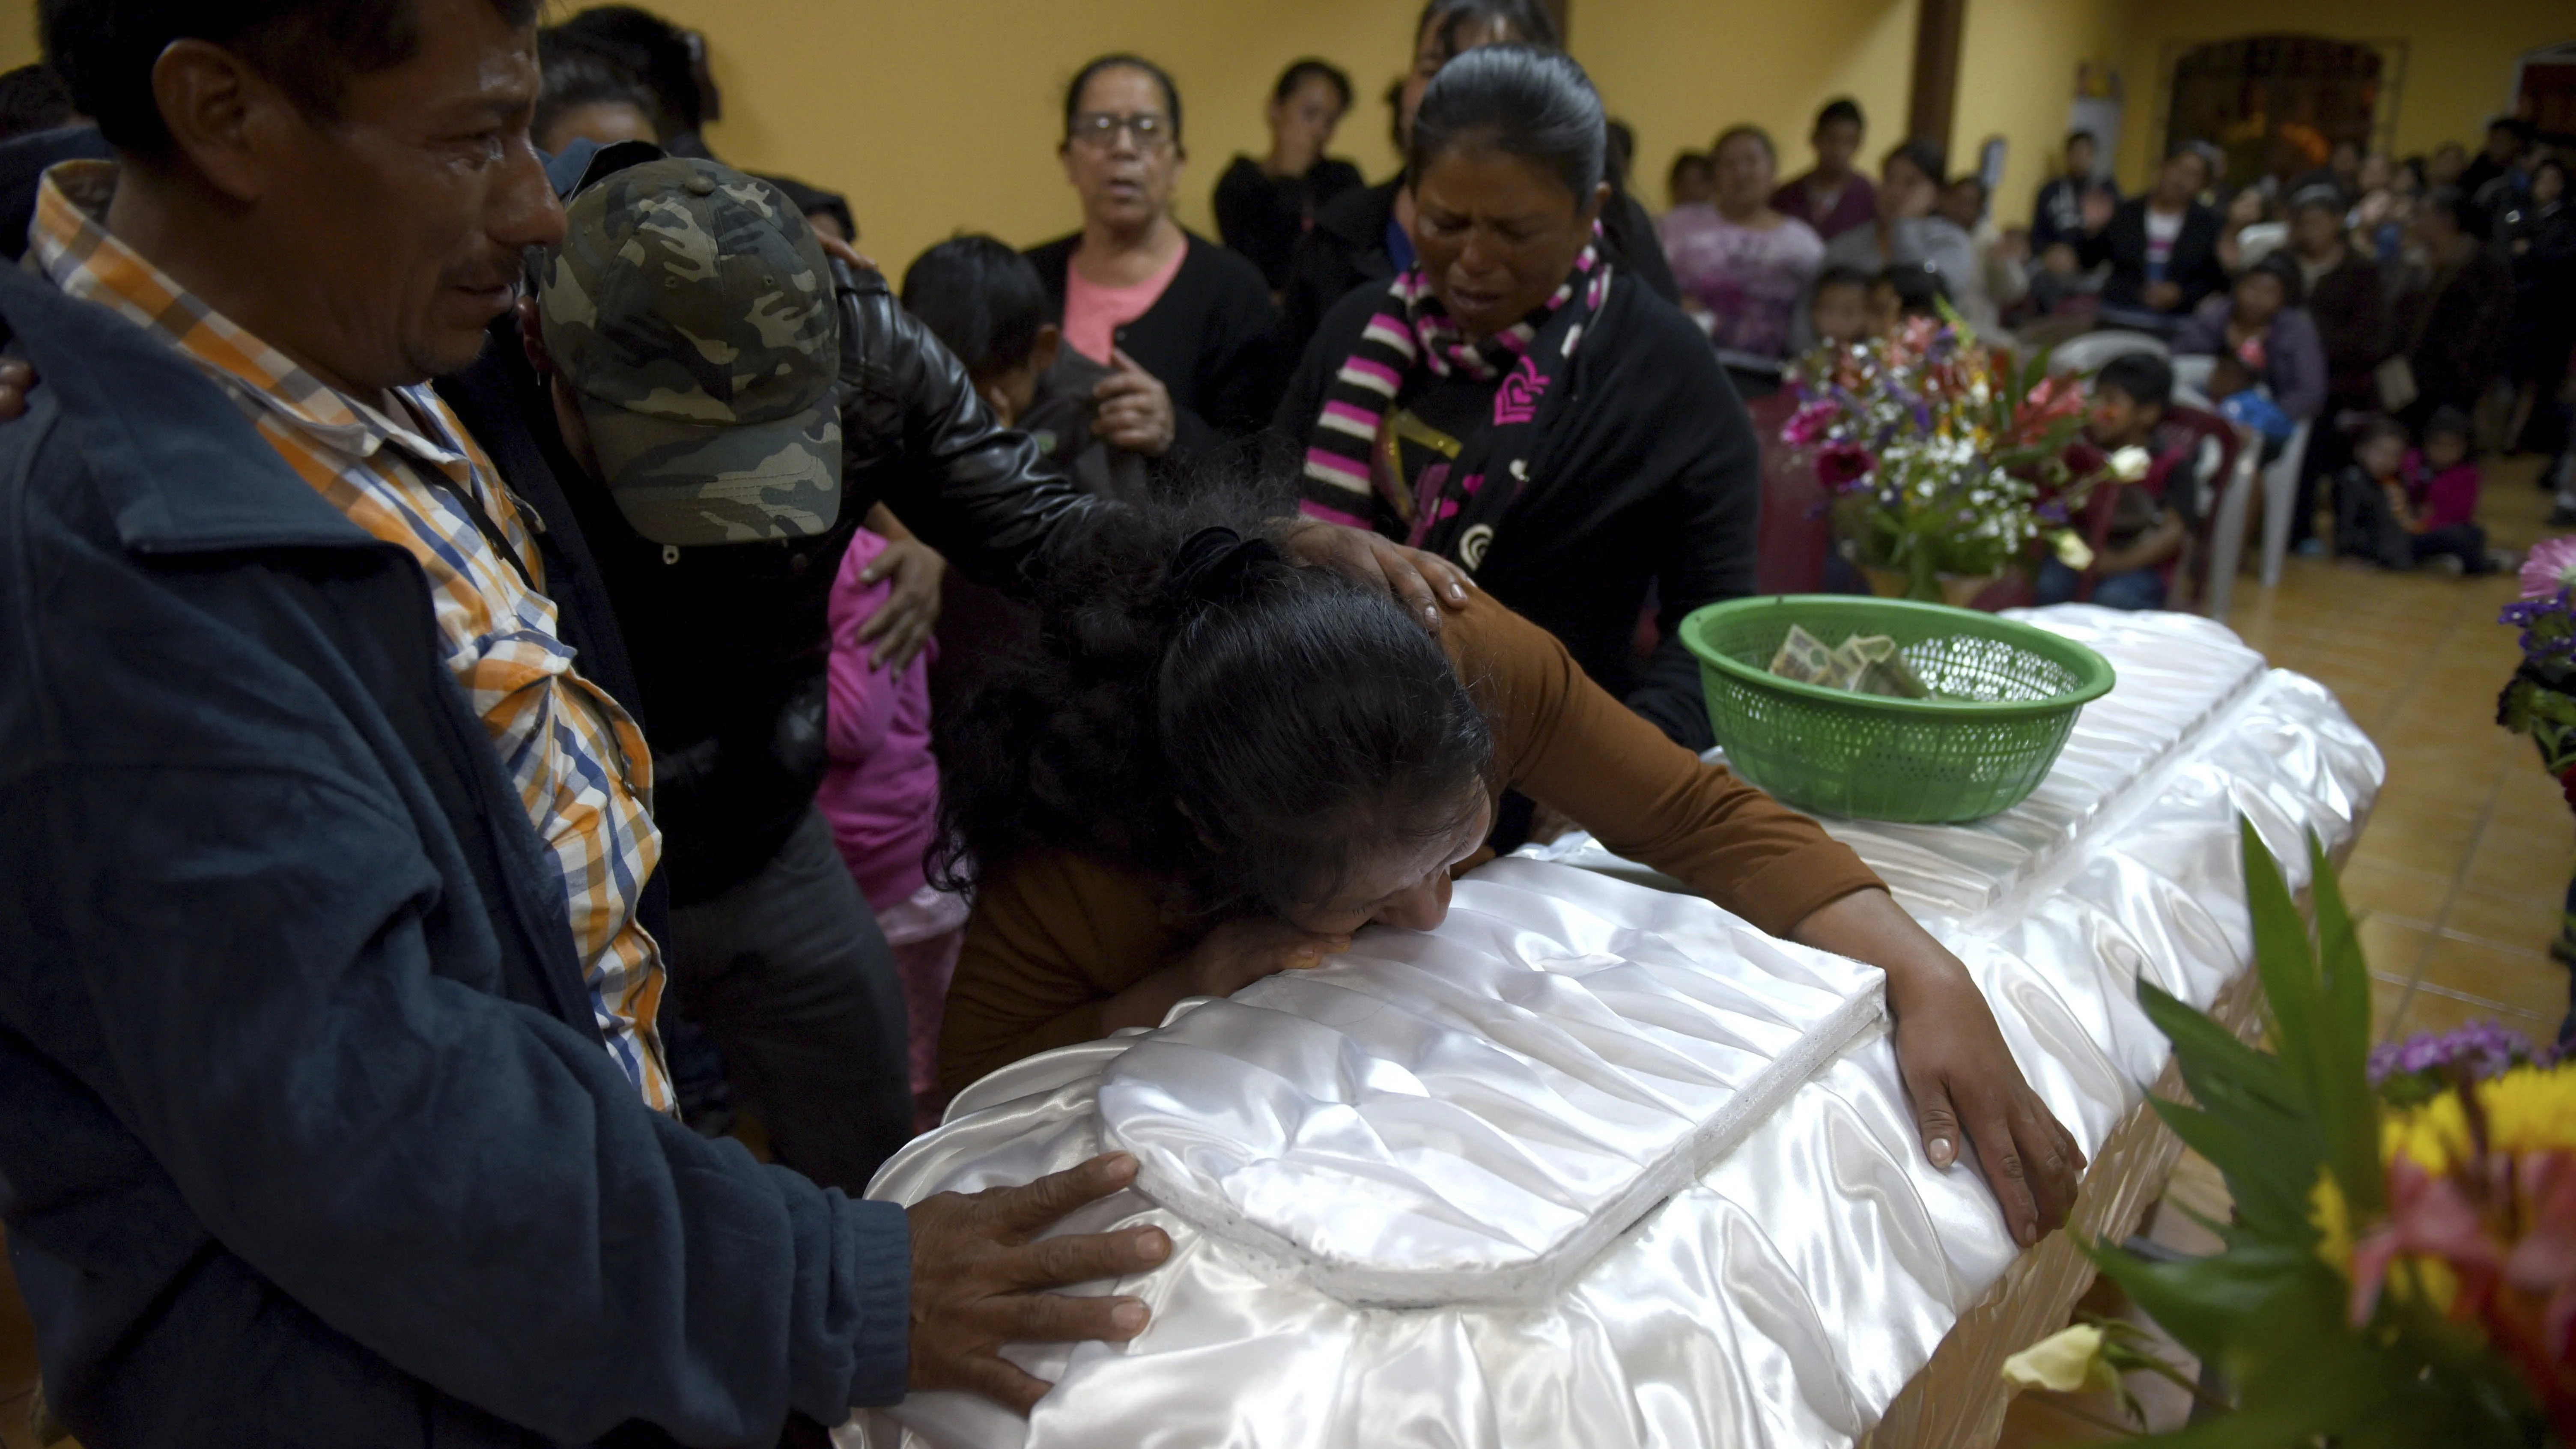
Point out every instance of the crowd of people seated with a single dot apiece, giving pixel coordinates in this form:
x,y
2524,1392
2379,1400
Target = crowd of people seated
x,y
2358,292
528,645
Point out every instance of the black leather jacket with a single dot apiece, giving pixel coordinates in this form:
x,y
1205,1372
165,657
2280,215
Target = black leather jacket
x,y
729,643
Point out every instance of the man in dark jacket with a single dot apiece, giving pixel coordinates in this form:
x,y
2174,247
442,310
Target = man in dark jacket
x,y
2455,312
313,1134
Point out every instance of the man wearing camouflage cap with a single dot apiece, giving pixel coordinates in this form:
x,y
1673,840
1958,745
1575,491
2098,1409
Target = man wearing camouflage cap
x,y
687,332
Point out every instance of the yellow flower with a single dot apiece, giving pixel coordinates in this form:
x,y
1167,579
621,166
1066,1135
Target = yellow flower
x,y
2073,551
2529,1109
2333,1218
2069,1361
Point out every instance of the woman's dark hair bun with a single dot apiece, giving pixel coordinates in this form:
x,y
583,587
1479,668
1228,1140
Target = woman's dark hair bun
x,y
1212,565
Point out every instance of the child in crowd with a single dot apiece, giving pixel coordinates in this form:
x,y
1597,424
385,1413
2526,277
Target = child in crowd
x,y
2234,393
881,794
2151,518
1838,308
984,300
2402,507
1902,293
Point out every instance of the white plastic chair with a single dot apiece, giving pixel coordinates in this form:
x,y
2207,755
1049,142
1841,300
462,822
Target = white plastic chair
x,y
2191,379
2227,534
2087,353
2280,499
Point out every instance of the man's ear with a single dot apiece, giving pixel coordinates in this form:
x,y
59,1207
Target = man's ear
x,y
1050,339
225,119
532,340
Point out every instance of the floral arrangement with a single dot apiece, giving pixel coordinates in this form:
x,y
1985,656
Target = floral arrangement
x,y
2402,1267
2540,699
1940,458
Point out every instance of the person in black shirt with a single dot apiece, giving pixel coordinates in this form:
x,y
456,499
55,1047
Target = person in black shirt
x,y
1364,237
1187,326
1263,206
2057,215
1555,427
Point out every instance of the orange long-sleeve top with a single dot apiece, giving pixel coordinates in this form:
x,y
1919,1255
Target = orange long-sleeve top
x,y
1056,935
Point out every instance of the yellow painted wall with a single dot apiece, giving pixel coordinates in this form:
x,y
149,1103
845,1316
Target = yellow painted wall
x,y
17,33
2017,62
2459,55
1680,71
939,114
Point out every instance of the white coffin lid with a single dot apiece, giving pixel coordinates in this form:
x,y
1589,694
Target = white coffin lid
x,y
1470,1115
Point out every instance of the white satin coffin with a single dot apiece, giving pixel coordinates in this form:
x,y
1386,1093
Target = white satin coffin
x,y
1497,1099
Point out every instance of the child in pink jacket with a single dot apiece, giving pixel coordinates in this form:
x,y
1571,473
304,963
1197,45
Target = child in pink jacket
x,y
881,794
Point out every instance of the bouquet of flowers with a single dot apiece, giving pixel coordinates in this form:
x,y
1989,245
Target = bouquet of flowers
x,y
2540,699
1940,458
2402,1268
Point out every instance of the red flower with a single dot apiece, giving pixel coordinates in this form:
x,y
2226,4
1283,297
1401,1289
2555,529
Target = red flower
x,y
1843,464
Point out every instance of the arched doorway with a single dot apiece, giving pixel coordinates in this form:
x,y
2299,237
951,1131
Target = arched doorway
x,y
2276,104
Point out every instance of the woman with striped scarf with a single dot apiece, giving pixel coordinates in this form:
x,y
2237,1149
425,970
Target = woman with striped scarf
x,y
1521,405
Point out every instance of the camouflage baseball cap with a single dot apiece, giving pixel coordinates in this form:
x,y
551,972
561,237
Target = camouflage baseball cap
x,y
691,311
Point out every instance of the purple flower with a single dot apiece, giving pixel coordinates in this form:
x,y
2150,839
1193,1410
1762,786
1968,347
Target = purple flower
x,y
2486,1048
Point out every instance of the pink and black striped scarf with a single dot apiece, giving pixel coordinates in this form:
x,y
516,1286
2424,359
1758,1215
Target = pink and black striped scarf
x,y
1451,509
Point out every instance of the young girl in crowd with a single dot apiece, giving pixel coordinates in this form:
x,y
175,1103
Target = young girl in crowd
x,y
881,795
1222,766
1901,293
2403,507
1838,308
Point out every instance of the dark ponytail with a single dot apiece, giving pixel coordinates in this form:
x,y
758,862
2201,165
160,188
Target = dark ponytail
x,y
1204,711
1520,100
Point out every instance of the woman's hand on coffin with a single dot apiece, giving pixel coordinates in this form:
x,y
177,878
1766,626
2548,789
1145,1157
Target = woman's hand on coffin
x,y
1225,961
1238,953
1956,1067
979,1271
1415,578
1961,1075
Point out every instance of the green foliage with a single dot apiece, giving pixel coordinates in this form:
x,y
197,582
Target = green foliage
x,y
2269,1311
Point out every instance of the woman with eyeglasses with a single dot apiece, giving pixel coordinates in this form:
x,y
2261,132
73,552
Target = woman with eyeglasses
x,y
1185,325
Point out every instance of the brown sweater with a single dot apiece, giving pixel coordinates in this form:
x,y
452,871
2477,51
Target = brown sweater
x,y
1057,935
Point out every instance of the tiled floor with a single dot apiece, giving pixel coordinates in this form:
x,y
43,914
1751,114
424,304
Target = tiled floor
x,y
2460,872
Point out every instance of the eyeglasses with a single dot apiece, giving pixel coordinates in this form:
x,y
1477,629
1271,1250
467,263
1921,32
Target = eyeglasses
x,y
1099,130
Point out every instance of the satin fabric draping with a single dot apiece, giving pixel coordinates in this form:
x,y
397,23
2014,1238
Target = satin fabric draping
x,y
1786,1292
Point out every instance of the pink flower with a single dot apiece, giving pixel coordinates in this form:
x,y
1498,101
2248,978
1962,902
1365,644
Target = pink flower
x,y
1843,464
1809,423
2551,567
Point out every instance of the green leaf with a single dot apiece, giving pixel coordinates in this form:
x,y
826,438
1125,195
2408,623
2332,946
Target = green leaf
x,y
2272,1204
2347,1110
2283,958
2203,1302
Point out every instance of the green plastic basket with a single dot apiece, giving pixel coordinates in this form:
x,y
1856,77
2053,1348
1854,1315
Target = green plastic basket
x,y
2008,697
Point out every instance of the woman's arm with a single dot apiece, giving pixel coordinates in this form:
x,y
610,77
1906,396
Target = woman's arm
x,y
1567,744
1956,1067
